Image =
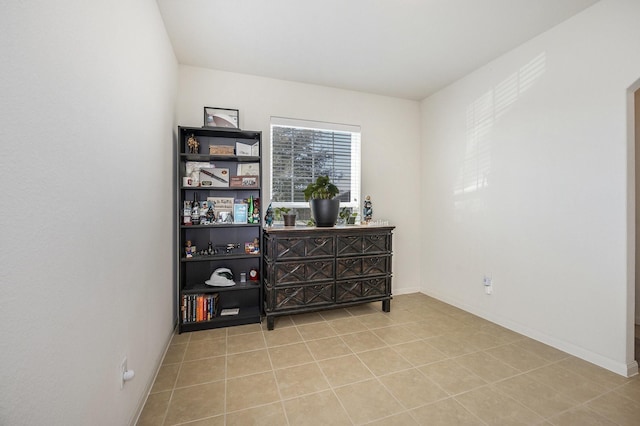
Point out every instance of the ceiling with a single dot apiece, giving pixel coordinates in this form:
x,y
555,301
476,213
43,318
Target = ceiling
x,y
402,48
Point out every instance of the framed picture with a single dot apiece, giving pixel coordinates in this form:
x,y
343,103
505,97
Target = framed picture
x,y
221,117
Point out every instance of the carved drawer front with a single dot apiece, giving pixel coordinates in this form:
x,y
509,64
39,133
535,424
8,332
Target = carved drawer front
x,y
361,266
348,245
303,272
377,243
361,289
375,265
303,295
290,248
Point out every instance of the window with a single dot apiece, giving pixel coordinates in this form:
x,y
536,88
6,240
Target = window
x,y
303,150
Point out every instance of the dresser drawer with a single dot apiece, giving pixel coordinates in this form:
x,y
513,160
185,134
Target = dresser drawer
x,y
366,243
285,273
350,290
284,248
282,298
358,266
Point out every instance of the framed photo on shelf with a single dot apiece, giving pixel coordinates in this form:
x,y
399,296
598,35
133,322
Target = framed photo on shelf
x,y
221,117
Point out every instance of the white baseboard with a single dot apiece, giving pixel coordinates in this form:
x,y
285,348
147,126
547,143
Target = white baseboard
x,y
145,396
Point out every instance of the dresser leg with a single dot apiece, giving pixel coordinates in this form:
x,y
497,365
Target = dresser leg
x,y
270,323
386,305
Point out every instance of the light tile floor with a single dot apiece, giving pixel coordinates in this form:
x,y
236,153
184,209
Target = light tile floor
x,y
424,363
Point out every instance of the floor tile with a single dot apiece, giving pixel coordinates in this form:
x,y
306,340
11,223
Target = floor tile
x,y
314,331
446,412
205,349
264,415
282,336
290,355
494,408
538,397
154,409
367,401
593,372
395,334
300,380
250,391
517,357
401,419
347,325
412,389
166,378
201,371
419,352
580,416
196,402
246,363
362,341
344,370
175,354
333,314
620,410
486,366
452,377
328,348
384,361
245,342
318,409
543,351
572,385
215,333
309,318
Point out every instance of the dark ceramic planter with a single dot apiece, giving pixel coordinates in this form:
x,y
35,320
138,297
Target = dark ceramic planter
x,y
289,219
325,212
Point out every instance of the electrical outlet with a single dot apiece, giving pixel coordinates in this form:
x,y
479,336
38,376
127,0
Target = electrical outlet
x,y
123,369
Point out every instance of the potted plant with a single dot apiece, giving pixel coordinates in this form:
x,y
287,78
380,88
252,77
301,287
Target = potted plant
x,y
321,196
347,216
287,215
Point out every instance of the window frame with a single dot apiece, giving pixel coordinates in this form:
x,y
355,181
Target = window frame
x,y
355,167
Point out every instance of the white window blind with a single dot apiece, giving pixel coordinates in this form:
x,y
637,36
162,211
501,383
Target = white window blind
x,y
303,150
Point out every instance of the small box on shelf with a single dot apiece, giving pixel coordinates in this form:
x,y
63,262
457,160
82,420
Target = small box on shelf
x,y
214,177
244,182
220,150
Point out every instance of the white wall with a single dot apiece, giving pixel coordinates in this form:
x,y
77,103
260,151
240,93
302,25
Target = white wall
x,y
540,137
636,146
390,141
86,121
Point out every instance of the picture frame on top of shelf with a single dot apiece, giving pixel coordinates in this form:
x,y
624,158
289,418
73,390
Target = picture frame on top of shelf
x,y
221,118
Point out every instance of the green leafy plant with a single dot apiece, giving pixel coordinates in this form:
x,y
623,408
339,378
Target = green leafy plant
x,y
321,189
280,211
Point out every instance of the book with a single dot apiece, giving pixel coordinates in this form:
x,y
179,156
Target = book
x,y
248,169
221,204
244,149
240,212
229,311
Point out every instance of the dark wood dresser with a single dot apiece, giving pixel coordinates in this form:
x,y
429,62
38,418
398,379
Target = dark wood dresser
x,y
309,269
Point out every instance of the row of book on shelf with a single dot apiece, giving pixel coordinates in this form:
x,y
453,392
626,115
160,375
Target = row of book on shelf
x,y
199,307
203,307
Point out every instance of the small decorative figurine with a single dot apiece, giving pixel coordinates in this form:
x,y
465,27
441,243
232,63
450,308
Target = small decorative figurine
x,y
211,215
189,250
367,210
193,144
268,217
